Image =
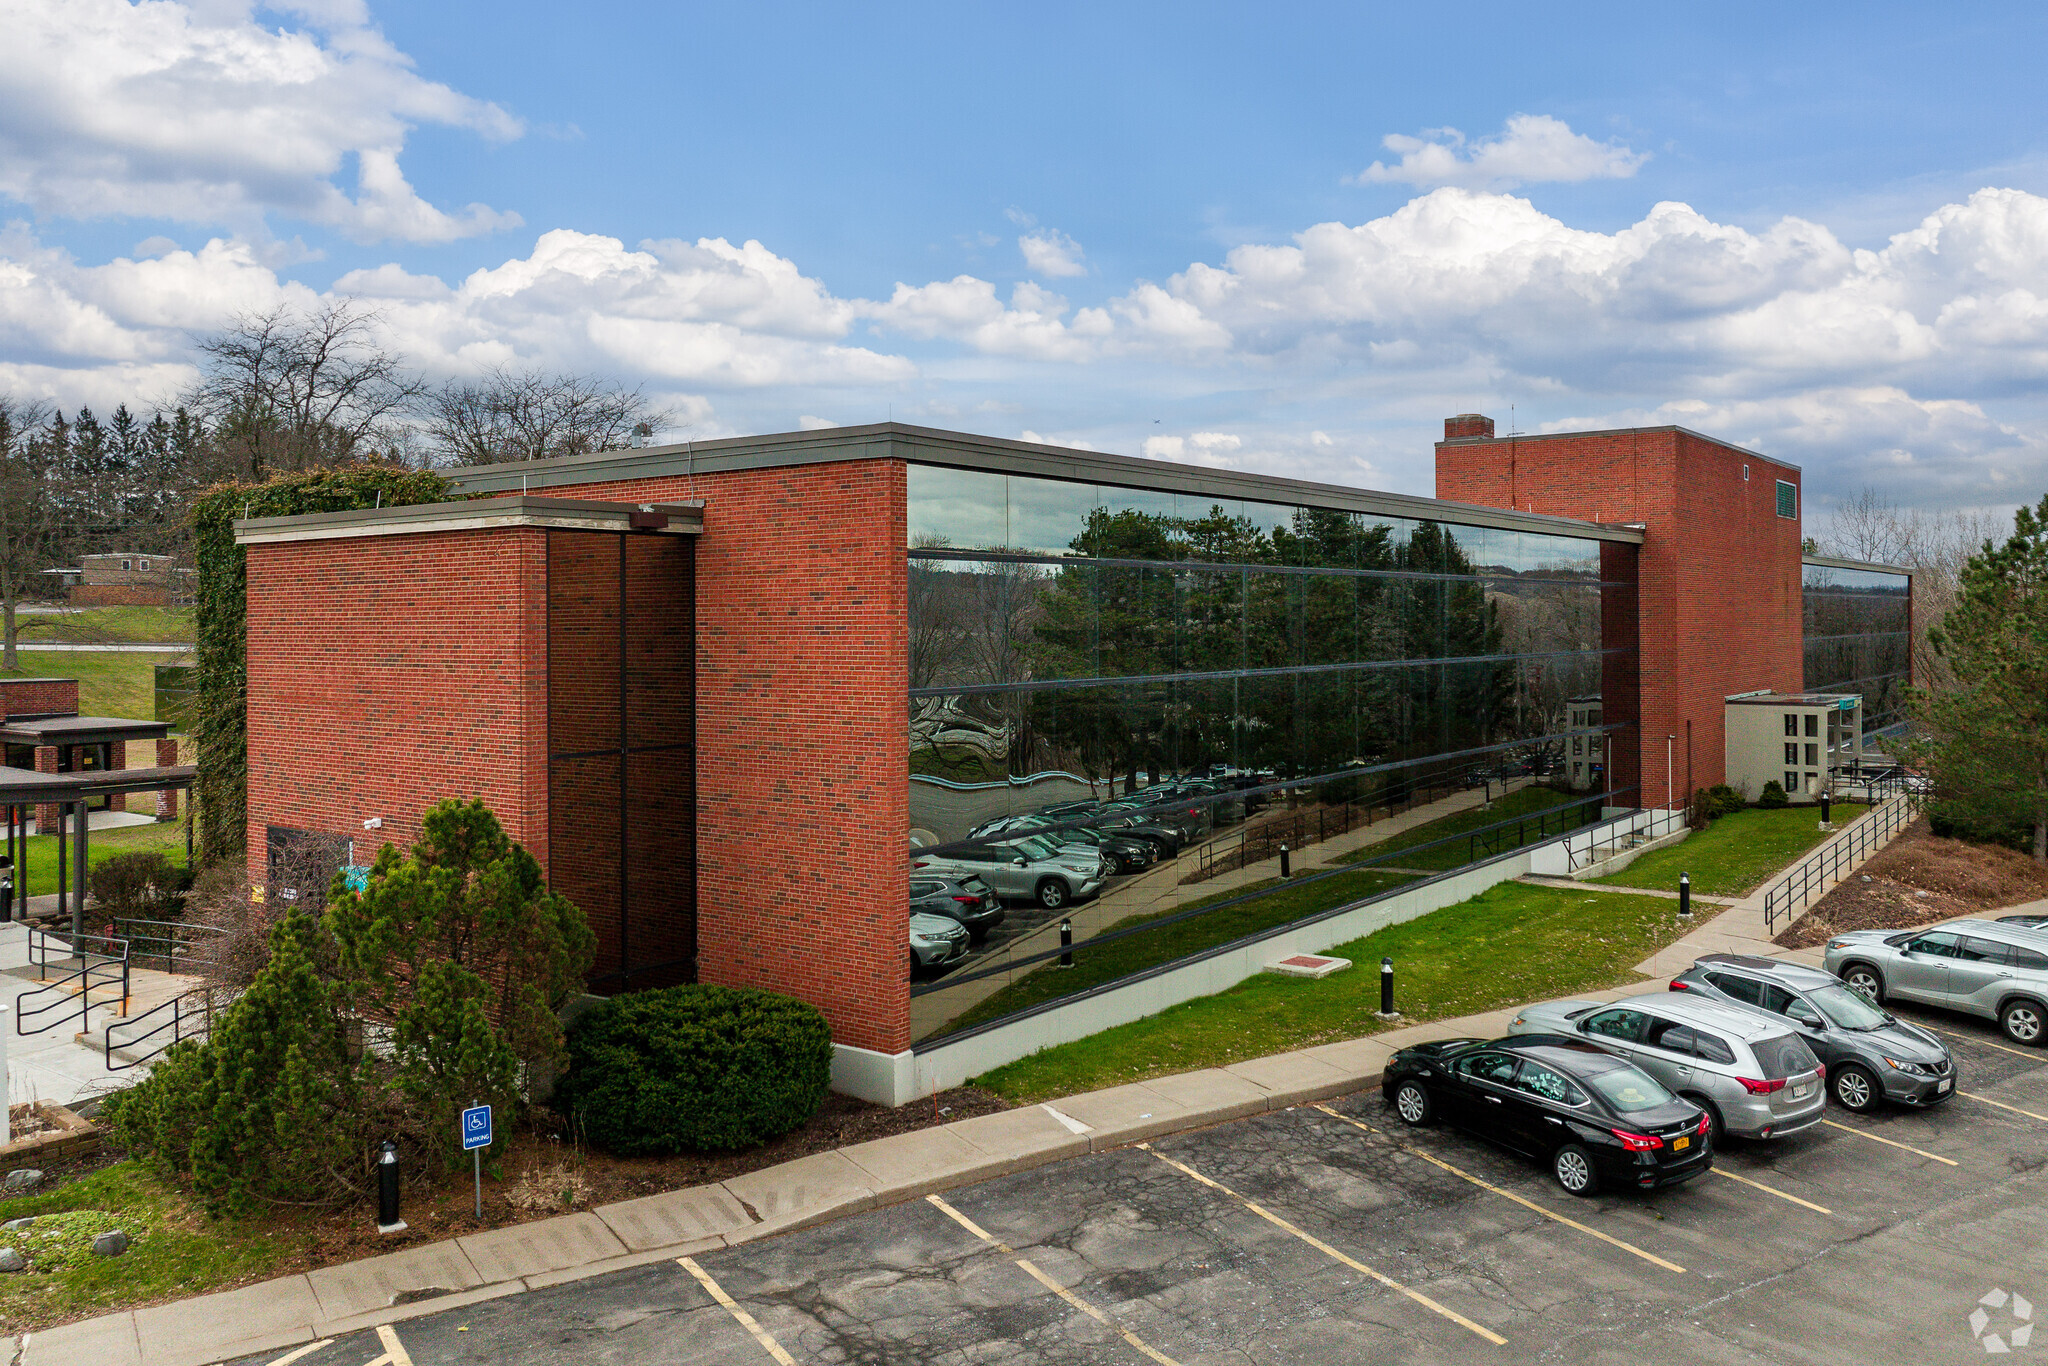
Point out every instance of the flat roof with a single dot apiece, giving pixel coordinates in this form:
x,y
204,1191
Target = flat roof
x,y
21,786
79,730
1793,699
575,514
1837,562
964,450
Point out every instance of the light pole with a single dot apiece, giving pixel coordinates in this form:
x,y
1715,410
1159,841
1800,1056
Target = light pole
x,y
1667,770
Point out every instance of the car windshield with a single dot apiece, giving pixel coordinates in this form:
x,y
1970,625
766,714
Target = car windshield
x,y
1844,1009
1036,847
1628,1090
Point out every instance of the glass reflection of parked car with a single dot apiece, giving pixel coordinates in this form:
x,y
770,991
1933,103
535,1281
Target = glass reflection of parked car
x,y
1979,967
1753,1077
1593,1118
1871,1055
1123,854
936,942
1028,869
1164,839
967,899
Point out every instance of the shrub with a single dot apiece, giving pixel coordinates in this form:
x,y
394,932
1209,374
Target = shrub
x,y
1772,797
695,1068
138,886
1724,800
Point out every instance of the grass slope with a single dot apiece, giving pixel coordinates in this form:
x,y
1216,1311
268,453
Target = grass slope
x,y
1512,944
1526,801
165,837
110,683
1734,855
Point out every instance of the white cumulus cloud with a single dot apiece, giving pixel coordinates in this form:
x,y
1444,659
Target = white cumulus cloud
x,y
1531,148
1052,253
201,113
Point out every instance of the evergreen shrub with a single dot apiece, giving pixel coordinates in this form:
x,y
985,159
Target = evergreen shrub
x,y
1772,797
695,1068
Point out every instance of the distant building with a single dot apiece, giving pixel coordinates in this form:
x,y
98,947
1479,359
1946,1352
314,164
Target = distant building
x,y
129,579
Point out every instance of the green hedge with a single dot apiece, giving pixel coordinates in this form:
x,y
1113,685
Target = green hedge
x,y
219,710
695,1068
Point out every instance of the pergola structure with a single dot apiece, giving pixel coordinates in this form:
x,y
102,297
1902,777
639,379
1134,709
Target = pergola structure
x,y
70,794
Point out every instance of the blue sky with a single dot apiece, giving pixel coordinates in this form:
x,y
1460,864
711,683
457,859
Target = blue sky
x,y
1284,239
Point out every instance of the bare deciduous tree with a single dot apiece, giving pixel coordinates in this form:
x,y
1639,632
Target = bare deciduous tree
x,y
506,415
30,503
286,390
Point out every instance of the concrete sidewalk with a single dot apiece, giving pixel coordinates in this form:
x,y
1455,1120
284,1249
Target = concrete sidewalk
x,y
278,1315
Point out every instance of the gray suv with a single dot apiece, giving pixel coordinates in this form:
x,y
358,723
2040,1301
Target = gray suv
x,y
1871,1055
1029,869
1754,1078
1980,967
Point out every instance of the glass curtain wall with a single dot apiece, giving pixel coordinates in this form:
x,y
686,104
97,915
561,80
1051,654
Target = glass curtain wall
x,y
1859,639
1123,702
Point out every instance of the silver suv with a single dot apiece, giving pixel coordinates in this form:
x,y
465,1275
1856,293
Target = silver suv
x,y
1029,869
1754,1078
1980,967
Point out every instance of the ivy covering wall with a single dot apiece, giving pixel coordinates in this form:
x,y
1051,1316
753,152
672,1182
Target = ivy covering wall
x,y
220,713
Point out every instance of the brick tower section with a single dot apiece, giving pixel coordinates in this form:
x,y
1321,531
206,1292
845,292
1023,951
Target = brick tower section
x,y
389,672
803,749
1718,607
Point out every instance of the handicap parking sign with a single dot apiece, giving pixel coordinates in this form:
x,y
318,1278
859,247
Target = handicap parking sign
x,y
476,1127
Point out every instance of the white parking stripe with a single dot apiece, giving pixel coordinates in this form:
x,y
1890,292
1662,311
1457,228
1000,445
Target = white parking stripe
x,y
394,1350
1319,1245
2033,1053
1889,1143
1770,1190
1986,1100
1529,1204
746,1320
289,1357
1031,1269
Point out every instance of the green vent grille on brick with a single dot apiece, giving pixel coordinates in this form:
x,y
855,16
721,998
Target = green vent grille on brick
x,y
1788,499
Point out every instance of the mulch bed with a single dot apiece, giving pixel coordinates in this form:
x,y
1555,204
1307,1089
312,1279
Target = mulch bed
x,y
1918,879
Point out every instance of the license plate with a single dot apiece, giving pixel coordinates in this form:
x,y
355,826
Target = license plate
x,y
1943,1089
1678,1143
1800,1092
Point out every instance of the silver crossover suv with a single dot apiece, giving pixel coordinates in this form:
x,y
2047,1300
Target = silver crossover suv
x,y
1754,1078
936,941
1980,967
1029,869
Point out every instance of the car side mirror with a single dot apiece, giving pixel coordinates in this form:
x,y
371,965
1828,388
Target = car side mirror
x,y
1802,1013
1020,863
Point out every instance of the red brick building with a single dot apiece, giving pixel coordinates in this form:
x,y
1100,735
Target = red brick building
x,y
722,689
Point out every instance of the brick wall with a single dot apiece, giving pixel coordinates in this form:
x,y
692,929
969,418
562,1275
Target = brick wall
x,y
802,743
122,595
1718,599
389,672
38,697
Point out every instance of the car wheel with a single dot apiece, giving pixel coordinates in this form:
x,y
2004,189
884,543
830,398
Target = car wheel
x,y
2021,1021
1413,1105
1573,1167
1865,981
1052,893
1856,1089
1715,1130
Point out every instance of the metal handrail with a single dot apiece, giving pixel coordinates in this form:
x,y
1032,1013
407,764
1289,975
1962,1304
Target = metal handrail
x,y
1810,877
89,975
176,1024
172,950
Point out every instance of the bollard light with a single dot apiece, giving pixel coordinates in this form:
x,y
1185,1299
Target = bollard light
x,y
1285,870
1684,894
387,1190
1066,943
1387,1011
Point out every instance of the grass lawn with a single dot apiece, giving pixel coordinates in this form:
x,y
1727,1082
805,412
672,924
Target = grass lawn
x,y
1736,854
1108,962
164,837
1525,801
172,1252
107,625
1512,944
110,683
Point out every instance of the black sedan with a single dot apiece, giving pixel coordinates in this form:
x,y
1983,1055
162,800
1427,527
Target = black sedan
x,y
1596,1119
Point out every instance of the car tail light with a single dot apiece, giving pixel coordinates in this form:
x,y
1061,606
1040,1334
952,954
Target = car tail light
x,y
1706,1123
968,900
1677,984
1637,1143
1761,1088
1820,1071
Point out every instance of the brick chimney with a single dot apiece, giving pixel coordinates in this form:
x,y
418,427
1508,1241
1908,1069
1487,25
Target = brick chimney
x,y
1468,425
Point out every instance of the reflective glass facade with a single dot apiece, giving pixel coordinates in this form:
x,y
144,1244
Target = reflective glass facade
x,y
1259,665
1859,639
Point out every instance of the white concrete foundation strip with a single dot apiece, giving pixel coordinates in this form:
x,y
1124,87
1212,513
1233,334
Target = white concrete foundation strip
x,y
745,1320
1319,1245
1031,1269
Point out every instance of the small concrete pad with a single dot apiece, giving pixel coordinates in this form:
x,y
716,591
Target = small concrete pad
x,y
1021,1138
1124,1114
922,1161
359,1287
673,1217
105,1341
811,1187
1294,1078
255,1318
503,1254
1212,1095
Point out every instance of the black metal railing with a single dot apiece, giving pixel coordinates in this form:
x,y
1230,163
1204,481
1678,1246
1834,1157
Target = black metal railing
x,y
177,946
71,995
1817,872
188,1015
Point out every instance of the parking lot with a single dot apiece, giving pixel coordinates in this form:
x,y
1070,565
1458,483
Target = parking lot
x,y
1328,1234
